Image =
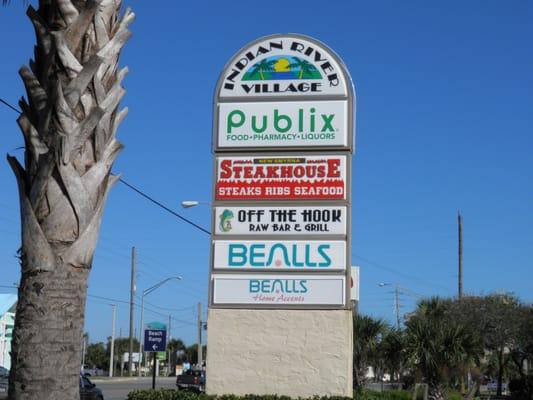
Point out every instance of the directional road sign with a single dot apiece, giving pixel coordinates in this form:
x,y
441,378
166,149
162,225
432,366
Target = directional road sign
x,y
155,340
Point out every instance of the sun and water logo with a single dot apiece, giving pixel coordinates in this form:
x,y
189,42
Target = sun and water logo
x,y
281,68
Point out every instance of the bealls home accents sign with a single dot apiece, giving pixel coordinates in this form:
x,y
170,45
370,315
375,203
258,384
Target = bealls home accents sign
x,y
279,289
280,220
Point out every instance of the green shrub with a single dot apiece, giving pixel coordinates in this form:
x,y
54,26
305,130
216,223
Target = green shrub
x,y
173,394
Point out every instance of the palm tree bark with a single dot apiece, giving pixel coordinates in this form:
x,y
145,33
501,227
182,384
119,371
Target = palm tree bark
x,y
69,122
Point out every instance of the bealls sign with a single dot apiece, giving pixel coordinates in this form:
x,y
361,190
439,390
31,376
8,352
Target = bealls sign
x,y
312,255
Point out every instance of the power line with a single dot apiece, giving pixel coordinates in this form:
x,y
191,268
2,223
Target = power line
x,y
138,306
9,105
408,276
164,207
138,191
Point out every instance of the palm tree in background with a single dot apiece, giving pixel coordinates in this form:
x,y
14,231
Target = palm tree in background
x,y
69,122
262,67
305,68
367,335
439,349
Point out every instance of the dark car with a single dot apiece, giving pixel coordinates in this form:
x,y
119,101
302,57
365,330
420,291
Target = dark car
x,y
4,374
191,380
88,390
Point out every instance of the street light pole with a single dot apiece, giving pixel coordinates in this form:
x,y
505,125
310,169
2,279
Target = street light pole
x,y
396,301
146,292
111,359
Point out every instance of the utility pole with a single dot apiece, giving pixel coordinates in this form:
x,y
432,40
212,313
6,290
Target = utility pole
x,y
111,359
169,338
132,311
200,355
397,304
460,250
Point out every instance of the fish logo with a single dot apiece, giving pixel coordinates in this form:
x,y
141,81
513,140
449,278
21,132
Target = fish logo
x,y
225,220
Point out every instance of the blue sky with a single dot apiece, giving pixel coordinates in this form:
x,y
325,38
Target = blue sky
x,y
444,122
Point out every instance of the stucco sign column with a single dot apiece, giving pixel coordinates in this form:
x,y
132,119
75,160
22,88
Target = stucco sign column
x,y
279,314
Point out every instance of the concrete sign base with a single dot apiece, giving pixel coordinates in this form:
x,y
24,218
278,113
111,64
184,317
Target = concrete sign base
x,y
295,353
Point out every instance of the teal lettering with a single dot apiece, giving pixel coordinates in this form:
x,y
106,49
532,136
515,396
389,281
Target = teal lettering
x,y
308,261
237,255
295,262
265,286
256,254
303,288
322,252
283,251
254,286
280,284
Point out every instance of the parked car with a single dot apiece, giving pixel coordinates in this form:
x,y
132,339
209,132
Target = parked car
x,y
3,387
88,371
4,374
88,390
191,379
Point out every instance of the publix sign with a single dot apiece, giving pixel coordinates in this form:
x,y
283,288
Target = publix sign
x,y
287,124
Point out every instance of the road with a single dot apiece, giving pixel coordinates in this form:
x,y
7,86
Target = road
x,y
118,388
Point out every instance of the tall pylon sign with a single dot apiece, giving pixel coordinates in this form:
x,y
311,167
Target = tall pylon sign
x,y
280,317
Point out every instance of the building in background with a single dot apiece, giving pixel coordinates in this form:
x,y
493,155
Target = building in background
x,y
8,304
354,294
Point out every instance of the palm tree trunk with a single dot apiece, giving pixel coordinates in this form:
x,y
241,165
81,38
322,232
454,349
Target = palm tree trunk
x,y
69,124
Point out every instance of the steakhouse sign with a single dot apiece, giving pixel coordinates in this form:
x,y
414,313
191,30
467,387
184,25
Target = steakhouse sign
x,y
304,177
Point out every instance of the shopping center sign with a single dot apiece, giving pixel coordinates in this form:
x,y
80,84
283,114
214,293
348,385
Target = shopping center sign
x,y
283,137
